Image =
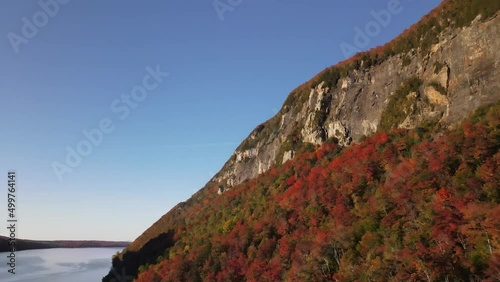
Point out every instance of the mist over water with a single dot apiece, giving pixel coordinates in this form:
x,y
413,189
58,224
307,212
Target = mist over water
x,y
59,265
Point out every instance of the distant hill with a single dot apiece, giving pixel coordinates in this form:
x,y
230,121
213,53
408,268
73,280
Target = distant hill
x,y
33,244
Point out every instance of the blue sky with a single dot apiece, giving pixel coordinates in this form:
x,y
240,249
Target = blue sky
x,y
225,77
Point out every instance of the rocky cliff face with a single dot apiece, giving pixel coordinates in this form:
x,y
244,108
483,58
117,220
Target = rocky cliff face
x,y
459,75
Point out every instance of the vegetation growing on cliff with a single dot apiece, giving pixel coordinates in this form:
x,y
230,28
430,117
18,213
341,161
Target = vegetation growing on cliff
x,y
438,87
400,104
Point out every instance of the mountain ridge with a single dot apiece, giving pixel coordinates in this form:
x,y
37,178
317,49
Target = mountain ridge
x,y
394,86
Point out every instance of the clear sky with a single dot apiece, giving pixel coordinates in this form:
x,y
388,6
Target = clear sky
x,y
228,72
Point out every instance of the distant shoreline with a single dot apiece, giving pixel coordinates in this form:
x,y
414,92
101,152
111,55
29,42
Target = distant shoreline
x,y
22,244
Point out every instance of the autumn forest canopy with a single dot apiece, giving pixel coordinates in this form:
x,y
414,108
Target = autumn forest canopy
x,y
399,206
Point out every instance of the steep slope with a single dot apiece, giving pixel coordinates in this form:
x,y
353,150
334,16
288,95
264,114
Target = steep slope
x,y
433,75
399,206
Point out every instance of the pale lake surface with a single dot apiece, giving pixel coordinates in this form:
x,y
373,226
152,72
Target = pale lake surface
x,y
59,265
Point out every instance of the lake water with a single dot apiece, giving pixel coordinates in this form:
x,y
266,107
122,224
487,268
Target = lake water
x,y
59,265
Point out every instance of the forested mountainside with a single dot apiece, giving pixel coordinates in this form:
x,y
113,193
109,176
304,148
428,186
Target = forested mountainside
x,y
399,206
367,173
